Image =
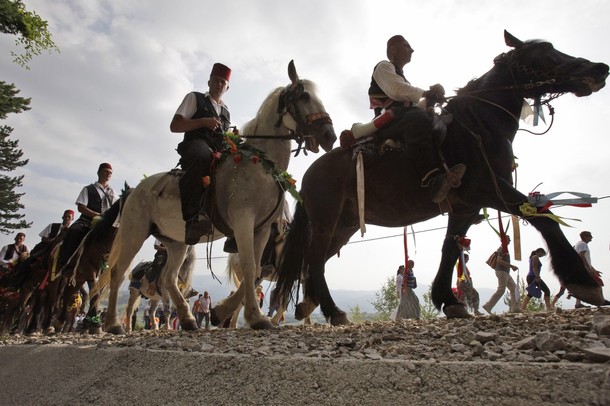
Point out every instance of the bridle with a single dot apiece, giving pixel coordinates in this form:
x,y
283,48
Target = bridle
x,y
288,104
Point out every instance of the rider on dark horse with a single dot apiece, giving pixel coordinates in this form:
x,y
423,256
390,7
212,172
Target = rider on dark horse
x,y
394,99
203,118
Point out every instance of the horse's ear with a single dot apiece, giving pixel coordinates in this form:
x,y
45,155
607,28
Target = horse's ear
x,y
292,72
511,40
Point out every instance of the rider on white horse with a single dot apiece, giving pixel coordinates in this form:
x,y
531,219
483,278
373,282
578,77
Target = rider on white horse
x,y
203,118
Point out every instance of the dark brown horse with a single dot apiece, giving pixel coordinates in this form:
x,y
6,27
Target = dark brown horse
x,y
28,281
485,120
83,266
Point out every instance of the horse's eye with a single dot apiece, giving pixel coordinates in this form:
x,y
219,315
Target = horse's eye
x,y
305,96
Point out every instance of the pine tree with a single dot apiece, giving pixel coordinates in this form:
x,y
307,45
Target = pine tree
x,y
10,160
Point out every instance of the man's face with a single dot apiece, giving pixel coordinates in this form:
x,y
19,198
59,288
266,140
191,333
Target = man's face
x,y
19,239
104,175
66,219
587,238
218,86
402,52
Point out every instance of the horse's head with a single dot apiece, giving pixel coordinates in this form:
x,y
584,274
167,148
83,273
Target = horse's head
x,y
302,111
541,69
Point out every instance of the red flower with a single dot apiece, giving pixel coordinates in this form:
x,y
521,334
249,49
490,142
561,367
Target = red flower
x,y
205,181
216,155
255,159
237,158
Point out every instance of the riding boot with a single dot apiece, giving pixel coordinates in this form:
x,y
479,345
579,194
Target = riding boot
x,y
197,223
438,182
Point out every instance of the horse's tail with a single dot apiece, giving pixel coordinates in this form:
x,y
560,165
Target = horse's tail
x,y
292,261
234,272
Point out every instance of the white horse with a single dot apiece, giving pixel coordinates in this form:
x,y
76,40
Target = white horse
x,y
247,199
139,287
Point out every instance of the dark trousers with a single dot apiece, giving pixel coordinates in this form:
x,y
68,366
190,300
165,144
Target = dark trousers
x,y
196,160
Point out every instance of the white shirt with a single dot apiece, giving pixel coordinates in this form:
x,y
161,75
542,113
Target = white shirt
x,y
395,86
188,107
582,246
107,194
399,279
16,253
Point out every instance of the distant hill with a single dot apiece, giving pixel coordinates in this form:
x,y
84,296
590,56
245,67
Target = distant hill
x,y
345,299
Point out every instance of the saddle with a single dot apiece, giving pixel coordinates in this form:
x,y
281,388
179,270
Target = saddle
x,y
209,202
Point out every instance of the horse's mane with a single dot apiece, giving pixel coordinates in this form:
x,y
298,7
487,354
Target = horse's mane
x,y
475,83
269,107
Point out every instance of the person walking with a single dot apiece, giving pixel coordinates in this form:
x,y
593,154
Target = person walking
x,y
465,286
198,310
408,305
505,280
582,248
533,276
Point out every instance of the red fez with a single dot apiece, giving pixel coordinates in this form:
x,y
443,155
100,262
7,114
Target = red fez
x,y
104,166
221,70
69,212
396,39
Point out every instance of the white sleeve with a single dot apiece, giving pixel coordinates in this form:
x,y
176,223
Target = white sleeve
x,y
46,231
395,86
188,107
83,197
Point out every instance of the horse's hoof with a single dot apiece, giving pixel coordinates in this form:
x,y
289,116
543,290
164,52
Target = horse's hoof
x,y
95,330
189,325
339,319
262,325
302,311
49,331
214,317
456,311
116,330
589,294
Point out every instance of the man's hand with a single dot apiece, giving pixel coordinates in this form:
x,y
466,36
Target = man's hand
x,y
436,94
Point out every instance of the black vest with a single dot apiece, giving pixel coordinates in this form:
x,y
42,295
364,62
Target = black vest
x,y
11,250
54,230
205,109
94,201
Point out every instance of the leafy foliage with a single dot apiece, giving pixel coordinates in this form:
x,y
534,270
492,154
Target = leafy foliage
x,y
386,299
356,315
428,311
31,31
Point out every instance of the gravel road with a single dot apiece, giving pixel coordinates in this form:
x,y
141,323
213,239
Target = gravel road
x,y
545,358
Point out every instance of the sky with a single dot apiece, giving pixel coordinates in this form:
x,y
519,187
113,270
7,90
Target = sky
x,y
124,67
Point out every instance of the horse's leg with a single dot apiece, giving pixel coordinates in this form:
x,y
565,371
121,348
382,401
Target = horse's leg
x,y
54,291
167,312
250,253
176,252
442,295
152,314
134,296
323,246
